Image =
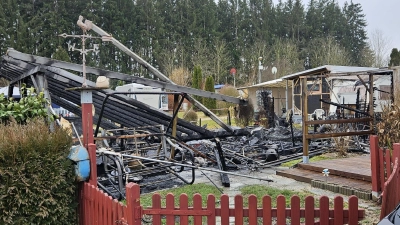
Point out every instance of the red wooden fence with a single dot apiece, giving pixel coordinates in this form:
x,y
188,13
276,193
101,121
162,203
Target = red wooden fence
x,y
385,174
99,208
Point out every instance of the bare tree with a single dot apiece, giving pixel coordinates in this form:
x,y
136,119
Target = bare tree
x,y
203,58
286,57
326,51
379,45
180,76
220,60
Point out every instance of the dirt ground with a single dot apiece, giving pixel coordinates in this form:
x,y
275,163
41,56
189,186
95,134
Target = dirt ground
x,y
372,210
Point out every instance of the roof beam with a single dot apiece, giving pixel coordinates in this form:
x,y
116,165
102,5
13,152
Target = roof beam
x,y
120,76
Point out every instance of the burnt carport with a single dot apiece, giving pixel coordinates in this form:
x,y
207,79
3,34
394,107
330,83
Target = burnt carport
x,y
54,78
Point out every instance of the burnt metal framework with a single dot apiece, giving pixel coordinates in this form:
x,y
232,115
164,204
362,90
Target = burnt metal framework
x,y
122,110
306,90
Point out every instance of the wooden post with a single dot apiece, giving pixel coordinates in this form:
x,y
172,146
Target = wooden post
x,y
93,166
134,211
304,111
87,117
371,101
375,179
174,123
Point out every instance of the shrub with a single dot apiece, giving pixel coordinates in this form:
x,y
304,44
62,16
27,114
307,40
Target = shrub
x,y
36,179
190,115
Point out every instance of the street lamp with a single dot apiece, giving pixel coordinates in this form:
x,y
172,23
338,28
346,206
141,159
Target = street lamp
x,y
260,67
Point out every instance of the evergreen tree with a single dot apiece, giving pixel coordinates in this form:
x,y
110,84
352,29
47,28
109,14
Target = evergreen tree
x,y
197,80
355,34
210,103
394,57
61,54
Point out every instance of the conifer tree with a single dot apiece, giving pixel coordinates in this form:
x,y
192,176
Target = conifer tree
x,y
210,103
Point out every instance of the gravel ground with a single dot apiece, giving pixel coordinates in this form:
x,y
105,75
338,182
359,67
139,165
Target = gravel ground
x,y
371,208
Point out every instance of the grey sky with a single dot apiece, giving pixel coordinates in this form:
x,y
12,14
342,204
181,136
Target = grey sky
x,y
380,14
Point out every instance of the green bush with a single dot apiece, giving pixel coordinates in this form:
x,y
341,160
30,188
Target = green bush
x,y
191,115
36,179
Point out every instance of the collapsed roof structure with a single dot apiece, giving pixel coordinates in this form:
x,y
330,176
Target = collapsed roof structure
x,y
18,67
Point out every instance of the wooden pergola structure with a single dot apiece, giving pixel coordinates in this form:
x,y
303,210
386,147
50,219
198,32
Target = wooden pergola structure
x,y
312,84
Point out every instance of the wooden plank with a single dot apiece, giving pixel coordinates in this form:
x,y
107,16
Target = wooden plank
x,y
353,120
252,209
295,210
266,210
238,210
374,152
353,210
184,205
109,210
170,205
341,134
388,162
224,209
324,210
382,169
281,210
338,210
309,210
211,219
304,109
197,206
156,204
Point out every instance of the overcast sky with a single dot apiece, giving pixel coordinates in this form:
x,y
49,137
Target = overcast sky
x,y
380,14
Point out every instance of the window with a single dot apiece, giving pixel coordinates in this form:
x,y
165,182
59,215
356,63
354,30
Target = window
x,y
314,87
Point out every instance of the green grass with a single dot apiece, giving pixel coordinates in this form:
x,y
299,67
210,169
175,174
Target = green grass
x,y
313,159
205,120
262,190
190,190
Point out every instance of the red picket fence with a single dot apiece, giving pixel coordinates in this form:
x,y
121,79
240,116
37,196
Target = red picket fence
x,y
385,174
99,208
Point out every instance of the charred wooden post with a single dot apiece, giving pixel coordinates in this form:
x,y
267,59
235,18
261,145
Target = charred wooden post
x,y
219,155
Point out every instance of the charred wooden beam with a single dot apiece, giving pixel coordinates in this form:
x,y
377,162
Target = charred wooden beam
x,y
345,107
342,134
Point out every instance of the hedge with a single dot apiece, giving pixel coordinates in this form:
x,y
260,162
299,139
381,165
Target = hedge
x,y
37,182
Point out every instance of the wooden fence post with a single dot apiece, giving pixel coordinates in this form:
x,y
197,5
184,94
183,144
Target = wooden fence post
x,y
375,179
133,213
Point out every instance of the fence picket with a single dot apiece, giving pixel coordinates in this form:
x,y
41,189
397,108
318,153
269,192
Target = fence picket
x,y
281,210
382,168
267,210
224,209
156,205
324,210
238,209
353,210
109,210
100,197
309,210
388,163
184,205
338,207
252,209
295,210
170,206
211,207
197,206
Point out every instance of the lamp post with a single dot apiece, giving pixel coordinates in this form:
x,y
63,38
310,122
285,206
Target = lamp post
x,y
260,67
